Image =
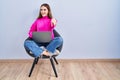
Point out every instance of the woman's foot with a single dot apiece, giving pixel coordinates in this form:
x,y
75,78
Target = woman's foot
x,y
46,53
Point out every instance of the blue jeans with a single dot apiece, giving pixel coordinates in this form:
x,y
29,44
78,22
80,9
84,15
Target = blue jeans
x,y
35,47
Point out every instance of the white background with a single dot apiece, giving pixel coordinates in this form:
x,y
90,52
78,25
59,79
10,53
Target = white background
x,y
90,28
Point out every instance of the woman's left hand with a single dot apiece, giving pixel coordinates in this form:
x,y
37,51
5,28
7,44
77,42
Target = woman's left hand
x,y
53,21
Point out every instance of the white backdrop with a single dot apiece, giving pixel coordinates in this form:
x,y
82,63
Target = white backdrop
x,y
90,28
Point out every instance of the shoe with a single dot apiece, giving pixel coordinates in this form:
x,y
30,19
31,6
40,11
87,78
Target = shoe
x,y
57,52
30,52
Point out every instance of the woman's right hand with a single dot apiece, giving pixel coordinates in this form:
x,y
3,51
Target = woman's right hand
x,y
53,22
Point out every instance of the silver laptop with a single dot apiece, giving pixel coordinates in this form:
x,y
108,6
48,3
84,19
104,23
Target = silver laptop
x,y
42,37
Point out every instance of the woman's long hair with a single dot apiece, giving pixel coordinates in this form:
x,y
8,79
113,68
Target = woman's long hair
x,y
49,11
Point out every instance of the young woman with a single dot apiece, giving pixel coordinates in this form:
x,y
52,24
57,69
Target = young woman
x,y
44,22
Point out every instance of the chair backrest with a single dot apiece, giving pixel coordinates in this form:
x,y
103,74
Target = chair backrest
x,y
56,34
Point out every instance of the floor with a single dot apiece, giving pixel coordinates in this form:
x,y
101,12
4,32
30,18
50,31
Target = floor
x,y
67,70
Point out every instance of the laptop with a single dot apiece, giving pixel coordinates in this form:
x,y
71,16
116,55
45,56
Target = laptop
x,y
42,36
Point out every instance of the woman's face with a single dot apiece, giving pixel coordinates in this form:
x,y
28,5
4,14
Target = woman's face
x,y
44,11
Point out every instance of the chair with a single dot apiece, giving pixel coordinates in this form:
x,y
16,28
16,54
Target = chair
x,y
52,59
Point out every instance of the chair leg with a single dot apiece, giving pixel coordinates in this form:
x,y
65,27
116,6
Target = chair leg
x,y
33,65
55,60
53,66
37,60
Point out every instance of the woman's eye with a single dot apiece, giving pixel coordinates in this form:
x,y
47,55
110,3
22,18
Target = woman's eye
x,y
44,9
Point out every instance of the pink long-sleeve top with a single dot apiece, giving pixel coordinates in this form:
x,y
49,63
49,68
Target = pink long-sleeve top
x,y
42,24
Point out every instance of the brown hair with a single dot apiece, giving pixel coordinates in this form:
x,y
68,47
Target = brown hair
x,y
49,11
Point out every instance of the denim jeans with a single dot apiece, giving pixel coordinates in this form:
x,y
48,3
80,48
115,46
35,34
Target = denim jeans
x,y
35,47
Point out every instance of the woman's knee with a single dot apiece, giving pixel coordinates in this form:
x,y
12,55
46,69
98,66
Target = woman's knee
x,y
59,39
27,42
